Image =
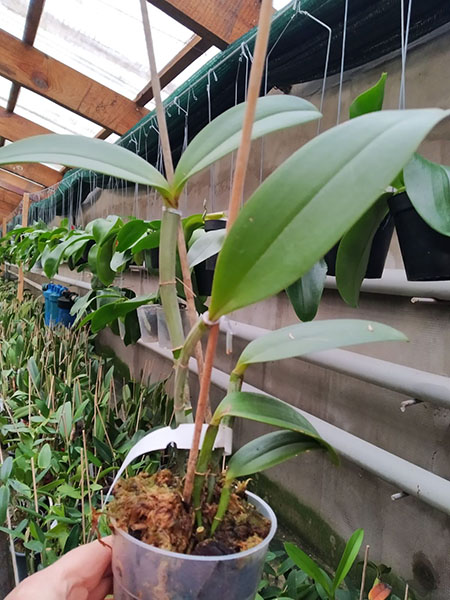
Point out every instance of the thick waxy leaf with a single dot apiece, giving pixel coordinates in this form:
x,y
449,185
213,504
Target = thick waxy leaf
x,y
208,244
354,251
304,338
85,153
223,134
105,315
306,293
269,410
369,101
305,563
102,229
4,502
348,558
268,451
6,468
104,256
309,202
428,188
147,242
130,233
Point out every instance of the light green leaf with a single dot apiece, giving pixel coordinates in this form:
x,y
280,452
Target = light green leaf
x,y
303,338
130,233
85,153
348,558
102,229
369,101
35,546
354,251
428,188
205,246
65,420
268,410
223,134
272,244
306,293
305,563
68,490
119,260
6,468
45,457
4,503
268,451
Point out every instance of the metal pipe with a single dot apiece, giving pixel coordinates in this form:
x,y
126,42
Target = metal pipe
x,y
406,476
394,283
420,385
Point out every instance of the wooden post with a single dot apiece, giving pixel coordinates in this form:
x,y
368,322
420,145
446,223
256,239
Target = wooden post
x,y
25,207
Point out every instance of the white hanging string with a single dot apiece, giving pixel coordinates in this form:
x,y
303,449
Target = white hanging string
x,y
404,48
341,76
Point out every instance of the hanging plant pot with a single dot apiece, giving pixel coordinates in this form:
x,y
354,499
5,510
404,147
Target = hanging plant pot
x,y
146,572
204,272
148,322
425,252
378,252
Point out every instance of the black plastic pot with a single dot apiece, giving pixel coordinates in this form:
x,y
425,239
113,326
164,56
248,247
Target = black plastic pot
x,y
378,252
22,568
204,271
425,252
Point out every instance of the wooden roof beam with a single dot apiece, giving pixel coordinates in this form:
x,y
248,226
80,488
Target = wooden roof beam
x,y
50,78
9,201
17,184
32,20
14,127
219,21
35,172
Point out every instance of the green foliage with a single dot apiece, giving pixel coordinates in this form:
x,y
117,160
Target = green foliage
x,y
369,101
428,188
305,293
319,179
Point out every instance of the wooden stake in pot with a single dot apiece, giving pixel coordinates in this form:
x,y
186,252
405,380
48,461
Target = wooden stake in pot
x,y
20,280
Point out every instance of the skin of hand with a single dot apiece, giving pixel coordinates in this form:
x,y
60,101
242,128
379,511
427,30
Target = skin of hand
x,y
81,574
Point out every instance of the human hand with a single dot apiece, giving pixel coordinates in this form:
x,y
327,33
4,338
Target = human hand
x,y
81,574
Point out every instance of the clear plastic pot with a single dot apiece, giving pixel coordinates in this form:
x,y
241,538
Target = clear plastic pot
x,y
148,322
148,573
163,331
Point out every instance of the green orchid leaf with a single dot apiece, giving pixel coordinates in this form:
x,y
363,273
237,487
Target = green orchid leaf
x,y
223,134
85,153
305,293
428,188
354,251
147,242
268,451
104,256
73,539
306,564
103,229
303,338
130,233
205,246
132,328
272,244
271,411
348,558
4,502
115,309
369,101
44,457
6,468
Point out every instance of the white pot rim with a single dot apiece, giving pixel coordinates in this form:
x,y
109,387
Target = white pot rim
x,y
260,504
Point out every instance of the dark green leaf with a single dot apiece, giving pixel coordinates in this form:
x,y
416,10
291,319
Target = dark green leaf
x,y
104,255
85,153
6,468
74,538
34,546
305,294
369,101
4,502
269,450
103,450
304,562
354,251
428,188
223,134
130,233
272,244
348,558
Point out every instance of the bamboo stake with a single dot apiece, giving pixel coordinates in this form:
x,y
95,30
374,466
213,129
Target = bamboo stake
x,y
11,541
168,163
20,281
262,38
87,472
406,592
83,525
363,577
33,474
4,232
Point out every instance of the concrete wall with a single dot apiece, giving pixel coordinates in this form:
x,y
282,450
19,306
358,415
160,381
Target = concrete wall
x,y
325,503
